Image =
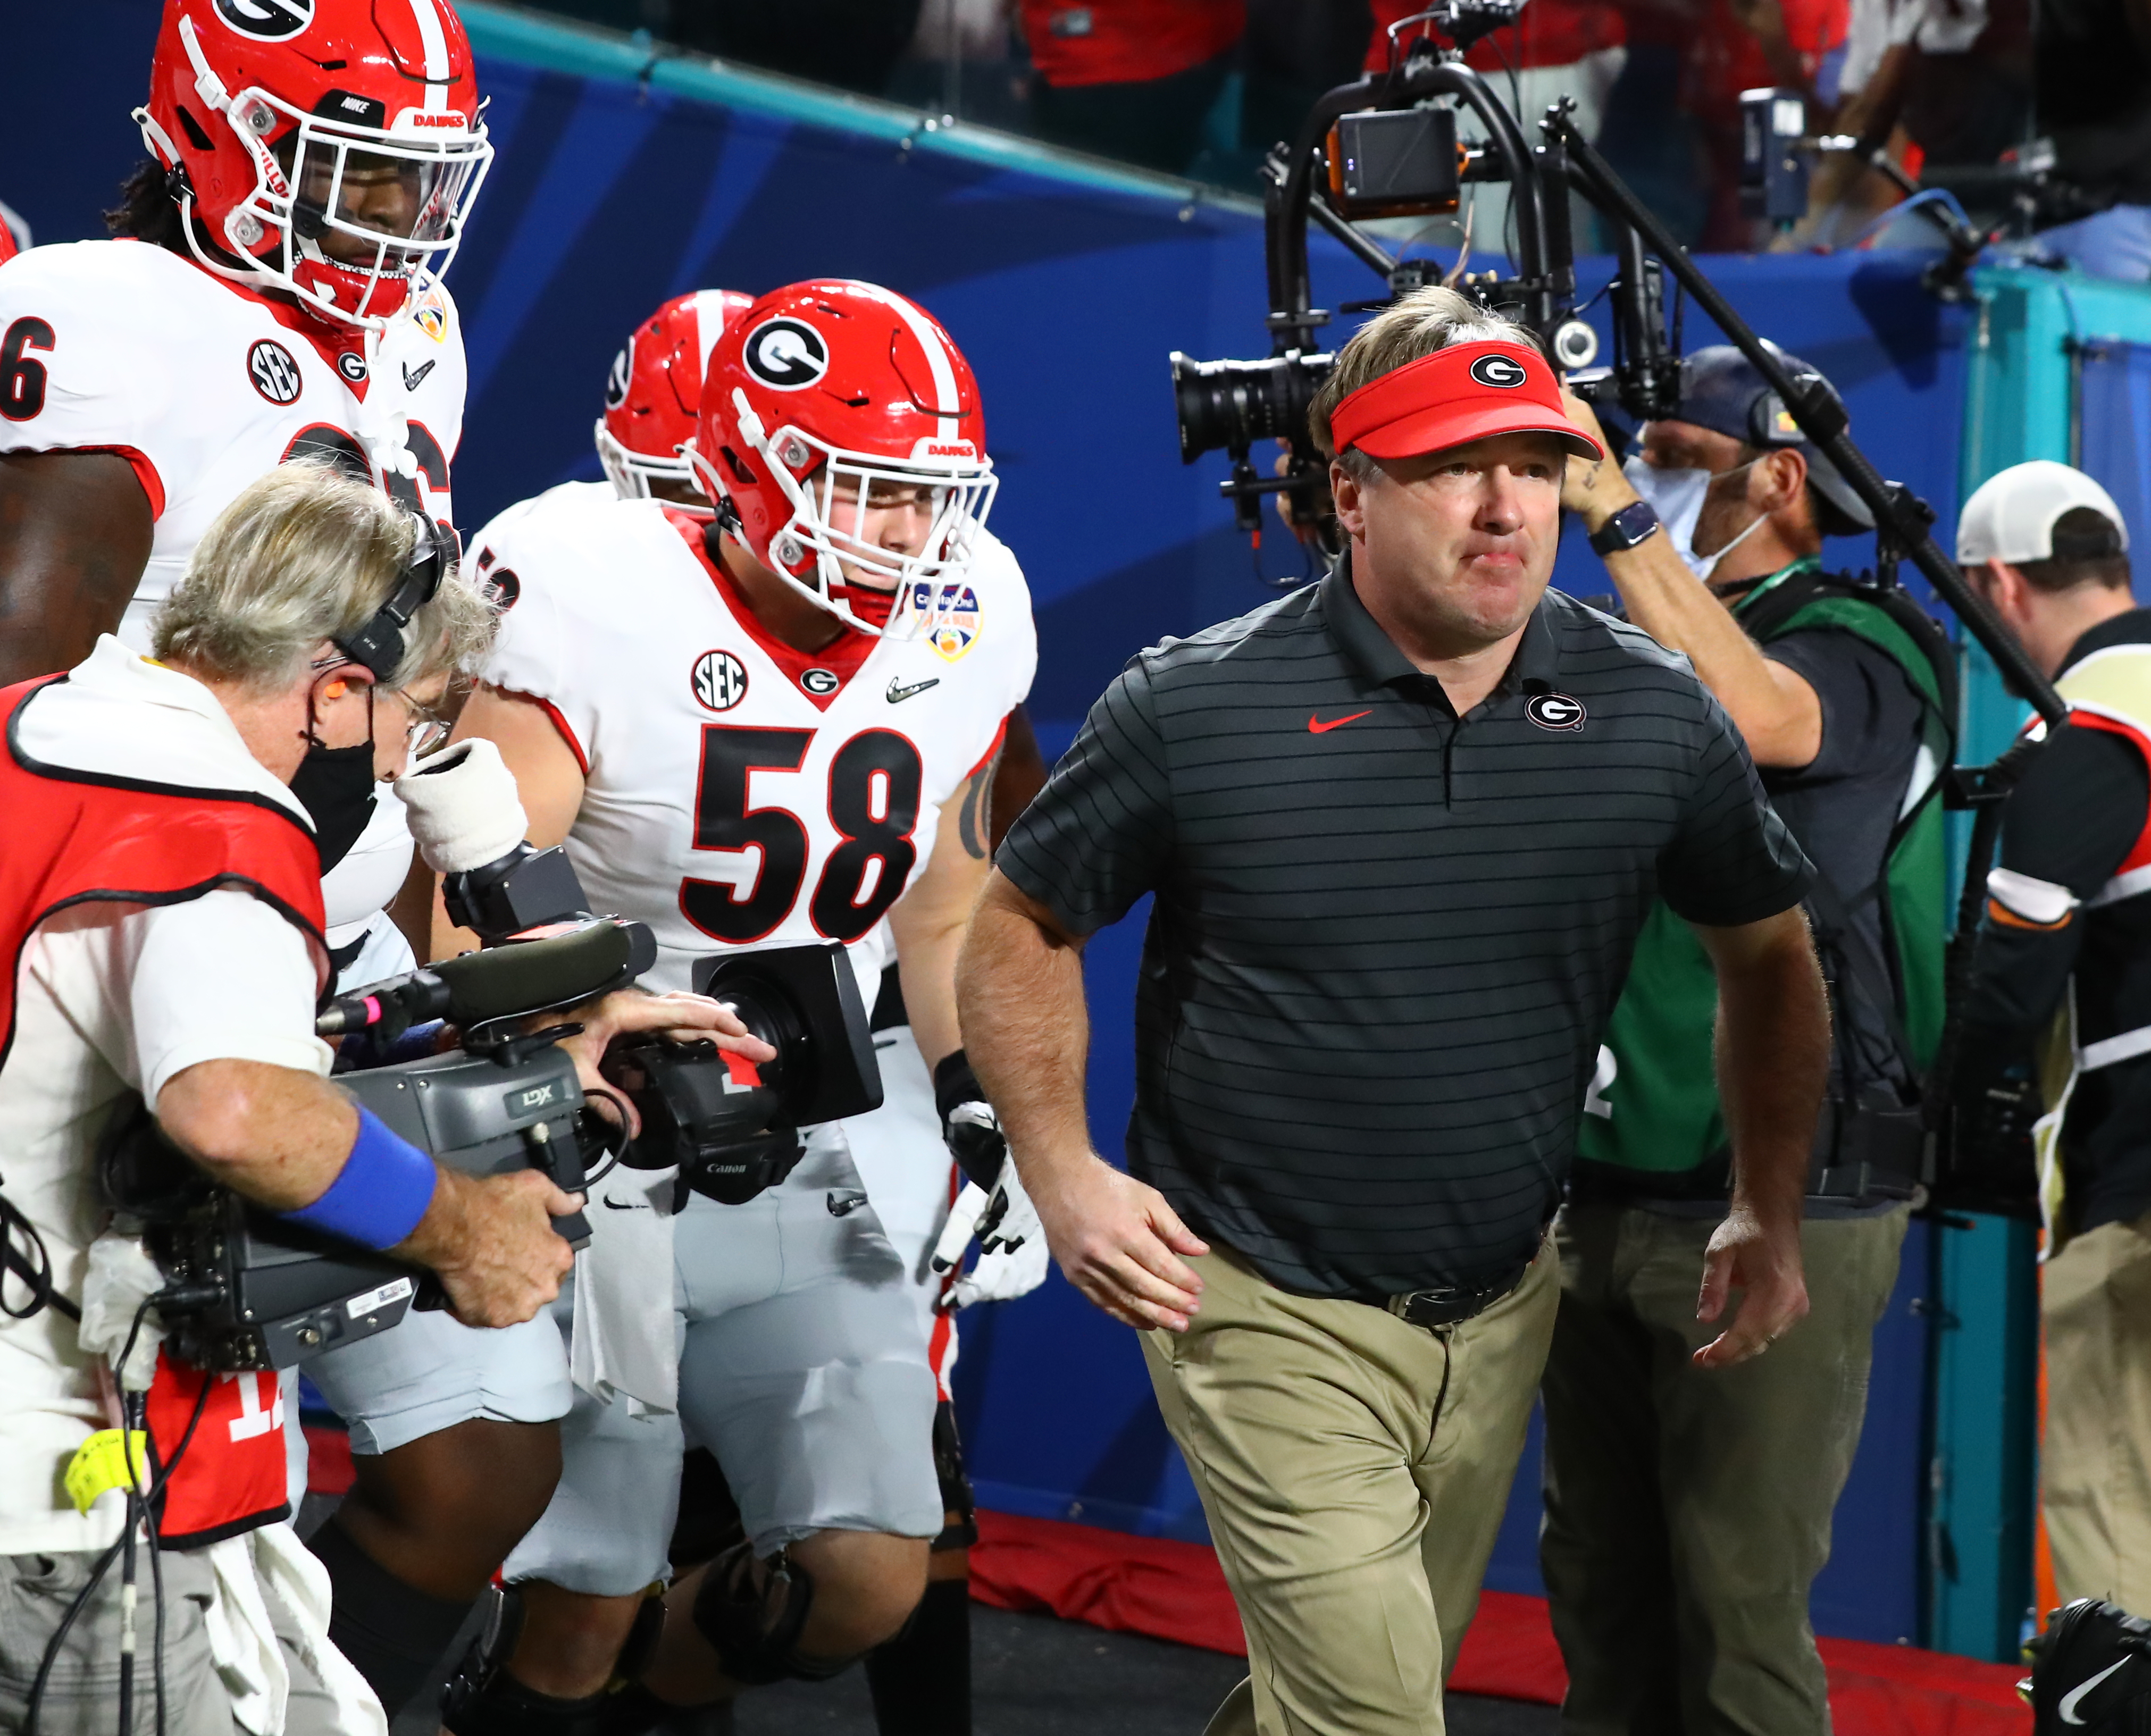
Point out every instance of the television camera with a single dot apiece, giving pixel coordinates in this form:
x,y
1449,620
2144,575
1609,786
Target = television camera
x,y
1386,145
247,1289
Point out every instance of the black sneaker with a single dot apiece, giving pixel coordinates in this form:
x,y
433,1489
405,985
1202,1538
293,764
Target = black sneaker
x,y
2092,1673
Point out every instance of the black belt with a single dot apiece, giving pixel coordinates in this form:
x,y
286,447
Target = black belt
x,y
1449,1304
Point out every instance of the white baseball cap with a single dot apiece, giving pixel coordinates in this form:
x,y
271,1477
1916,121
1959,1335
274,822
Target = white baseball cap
x,y
2011,515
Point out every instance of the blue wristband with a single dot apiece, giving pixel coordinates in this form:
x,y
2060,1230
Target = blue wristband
x,y
380,1194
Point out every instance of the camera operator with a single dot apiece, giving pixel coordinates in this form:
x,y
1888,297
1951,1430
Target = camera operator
x,y
1688,1508
2066,949
160,894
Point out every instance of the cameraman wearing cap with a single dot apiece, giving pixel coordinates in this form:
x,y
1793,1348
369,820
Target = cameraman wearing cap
x,y
2066,949
1403,827
1688,1508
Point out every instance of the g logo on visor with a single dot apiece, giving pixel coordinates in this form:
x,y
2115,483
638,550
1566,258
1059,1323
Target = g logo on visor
x,y
1504,372
267,20
786,355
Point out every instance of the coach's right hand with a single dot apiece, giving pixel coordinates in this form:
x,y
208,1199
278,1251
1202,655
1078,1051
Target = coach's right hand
x,y
491,1241
1118,1241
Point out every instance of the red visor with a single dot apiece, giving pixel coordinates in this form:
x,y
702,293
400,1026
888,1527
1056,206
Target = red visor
x,y
1469,391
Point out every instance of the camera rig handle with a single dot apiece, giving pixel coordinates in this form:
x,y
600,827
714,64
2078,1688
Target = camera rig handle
x,y
1543,297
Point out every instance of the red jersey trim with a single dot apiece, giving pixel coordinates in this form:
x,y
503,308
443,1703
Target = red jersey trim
x,y
145,473
559,724
328,341
986,759
842,657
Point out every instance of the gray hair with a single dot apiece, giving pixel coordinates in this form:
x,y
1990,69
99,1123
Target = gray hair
x,y
302,554
1406,331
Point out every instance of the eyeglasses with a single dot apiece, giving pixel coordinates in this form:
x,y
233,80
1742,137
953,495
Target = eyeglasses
x,y
428,730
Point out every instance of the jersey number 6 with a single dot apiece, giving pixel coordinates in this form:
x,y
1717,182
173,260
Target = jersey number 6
x,y
876,769
22,378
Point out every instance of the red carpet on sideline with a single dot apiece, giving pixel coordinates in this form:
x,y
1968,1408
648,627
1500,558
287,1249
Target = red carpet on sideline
x,y
1175,1592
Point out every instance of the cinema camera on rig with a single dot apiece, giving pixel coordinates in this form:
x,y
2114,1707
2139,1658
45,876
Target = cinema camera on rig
x,y
1386,146
265,1293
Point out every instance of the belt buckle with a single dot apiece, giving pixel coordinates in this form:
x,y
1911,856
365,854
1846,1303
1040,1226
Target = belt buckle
x,y
1427,1307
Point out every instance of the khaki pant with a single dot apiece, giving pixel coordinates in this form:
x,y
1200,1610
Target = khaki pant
x,y
1353,1471
1688,1510
2095,1459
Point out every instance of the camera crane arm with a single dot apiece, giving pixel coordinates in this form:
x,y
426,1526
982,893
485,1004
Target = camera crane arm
x,y
1293,320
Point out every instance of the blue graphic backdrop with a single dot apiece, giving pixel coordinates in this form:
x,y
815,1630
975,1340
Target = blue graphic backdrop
x,y
1066,288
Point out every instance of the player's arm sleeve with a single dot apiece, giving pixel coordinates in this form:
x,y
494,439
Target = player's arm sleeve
x,y
78,375
1732,860
2069,826
531,654
222,977
1099,834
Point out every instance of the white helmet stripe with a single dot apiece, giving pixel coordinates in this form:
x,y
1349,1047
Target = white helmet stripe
x,y
709,323
436,41
937,355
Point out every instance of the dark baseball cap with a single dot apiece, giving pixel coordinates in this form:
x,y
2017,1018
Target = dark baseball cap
x,y
1722,391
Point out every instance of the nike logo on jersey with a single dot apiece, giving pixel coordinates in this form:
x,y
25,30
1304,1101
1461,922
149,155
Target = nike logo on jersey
x,y
1316,727
898,692
2074,1697
613,1205
414,377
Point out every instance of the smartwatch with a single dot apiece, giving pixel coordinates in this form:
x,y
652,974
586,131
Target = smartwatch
x,y
1627,528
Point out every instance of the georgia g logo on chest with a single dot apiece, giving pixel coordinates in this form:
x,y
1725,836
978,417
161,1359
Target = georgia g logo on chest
x,y
865,809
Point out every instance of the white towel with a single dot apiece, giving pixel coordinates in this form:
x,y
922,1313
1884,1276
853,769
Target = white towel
x,y
272,1591
623,1347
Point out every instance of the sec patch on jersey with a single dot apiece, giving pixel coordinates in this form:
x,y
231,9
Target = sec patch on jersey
x,y
720,681
950,615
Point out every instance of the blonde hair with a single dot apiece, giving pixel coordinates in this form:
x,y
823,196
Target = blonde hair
x,y
1410,329
302,554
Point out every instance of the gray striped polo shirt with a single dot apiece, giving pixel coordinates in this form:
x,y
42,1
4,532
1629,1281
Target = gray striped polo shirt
x,y
1385,939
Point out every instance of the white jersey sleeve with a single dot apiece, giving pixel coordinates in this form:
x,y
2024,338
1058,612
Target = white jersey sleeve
x,y
86,359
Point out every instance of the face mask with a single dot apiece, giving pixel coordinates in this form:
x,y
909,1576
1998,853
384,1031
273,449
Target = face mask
x,y
334,785
1677,497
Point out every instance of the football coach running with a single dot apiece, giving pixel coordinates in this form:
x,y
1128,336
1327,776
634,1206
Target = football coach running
x,y
1403,827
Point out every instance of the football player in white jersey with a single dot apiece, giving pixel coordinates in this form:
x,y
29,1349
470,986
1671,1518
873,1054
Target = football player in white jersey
x,y
274,290
774,722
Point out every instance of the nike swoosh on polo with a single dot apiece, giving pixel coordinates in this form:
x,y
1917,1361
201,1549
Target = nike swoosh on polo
x,y
898,692
413,378
1317,728
2074,1697
614,1205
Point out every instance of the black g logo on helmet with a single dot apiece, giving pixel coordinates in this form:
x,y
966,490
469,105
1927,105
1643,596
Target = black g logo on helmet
x,y
269,21
786,355
1496,369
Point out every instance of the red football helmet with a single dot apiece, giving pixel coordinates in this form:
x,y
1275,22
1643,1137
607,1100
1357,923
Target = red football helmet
x,y
14,235
817,397
333,146
655,387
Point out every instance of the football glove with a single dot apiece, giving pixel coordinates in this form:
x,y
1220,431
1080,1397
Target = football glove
x,y
1012,1252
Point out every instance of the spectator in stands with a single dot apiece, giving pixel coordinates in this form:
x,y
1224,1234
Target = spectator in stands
x,y
1134,80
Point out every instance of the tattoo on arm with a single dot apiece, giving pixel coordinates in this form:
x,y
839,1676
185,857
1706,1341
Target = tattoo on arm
x,y
975,816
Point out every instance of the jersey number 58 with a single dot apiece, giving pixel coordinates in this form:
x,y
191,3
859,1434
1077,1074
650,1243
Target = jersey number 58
x,y
874,784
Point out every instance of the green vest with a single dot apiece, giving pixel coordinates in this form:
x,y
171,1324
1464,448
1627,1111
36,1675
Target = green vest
x,y
1654,1104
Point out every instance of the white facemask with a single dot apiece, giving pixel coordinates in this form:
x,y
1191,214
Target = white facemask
x,y
1677,497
